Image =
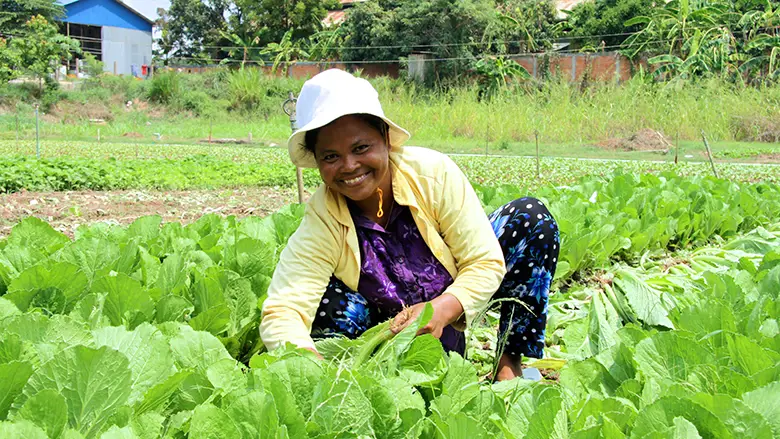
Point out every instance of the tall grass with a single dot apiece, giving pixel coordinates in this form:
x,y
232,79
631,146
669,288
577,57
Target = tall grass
x,y
236,102
562,112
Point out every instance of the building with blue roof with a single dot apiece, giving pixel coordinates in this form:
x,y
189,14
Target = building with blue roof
x,y
111,30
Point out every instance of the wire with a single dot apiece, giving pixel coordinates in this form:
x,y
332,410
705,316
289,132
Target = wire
x,y
390,61
473,43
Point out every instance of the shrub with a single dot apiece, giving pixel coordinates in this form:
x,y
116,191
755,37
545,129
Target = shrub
x,y
165,87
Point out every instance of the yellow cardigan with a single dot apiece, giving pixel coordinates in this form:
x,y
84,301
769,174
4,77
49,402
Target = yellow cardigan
x,y
448,214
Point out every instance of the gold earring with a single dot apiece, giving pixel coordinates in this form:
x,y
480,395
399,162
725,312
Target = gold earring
x,y
380,213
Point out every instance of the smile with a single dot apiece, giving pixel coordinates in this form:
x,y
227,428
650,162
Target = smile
x,y
357,180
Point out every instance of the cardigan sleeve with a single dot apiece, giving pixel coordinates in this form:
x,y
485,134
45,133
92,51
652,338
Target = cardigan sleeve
x,y
298,283
469,235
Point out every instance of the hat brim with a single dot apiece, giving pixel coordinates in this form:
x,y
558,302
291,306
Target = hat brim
x,y
303,158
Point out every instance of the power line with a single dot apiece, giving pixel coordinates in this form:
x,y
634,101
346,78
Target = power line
x,y
472,43
391,61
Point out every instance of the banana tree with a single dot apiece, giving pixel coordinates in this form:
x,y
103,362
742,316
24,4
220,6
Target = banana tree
x,y
244,43
286,52
496,71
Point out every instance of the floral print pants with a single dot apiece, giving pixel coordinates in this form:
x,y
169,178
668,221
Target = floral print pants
x,y
529,237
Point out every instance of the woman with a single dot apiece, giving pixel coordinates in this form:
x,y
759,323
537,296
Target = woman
x,y
395,227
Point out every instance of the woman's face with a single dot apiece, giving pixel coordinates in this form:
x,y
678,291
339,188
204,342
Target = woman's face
x,y
353,157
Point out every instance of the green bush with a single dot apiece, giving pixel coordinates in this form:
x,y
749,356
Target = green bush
x,y
200,103
165,87
92,66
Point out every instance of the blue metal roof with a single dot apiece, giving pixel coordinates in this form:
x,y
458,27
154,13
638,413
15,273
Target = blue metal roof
x,y
105,13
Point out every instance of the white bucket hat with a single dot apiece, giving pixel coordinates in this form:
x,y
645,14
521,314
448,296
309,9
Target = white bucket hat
x,y
328,96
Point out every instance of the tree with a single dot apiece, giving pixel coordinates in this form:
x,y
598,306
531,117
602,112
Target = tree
x,y
270,20
693,38
193,28
15,13
606,18
450,30
9,60
285,52
43,48
522,26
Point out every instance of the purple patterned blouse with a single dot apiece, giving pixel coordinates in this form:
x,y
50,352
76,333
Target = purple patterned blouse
x,y
399,269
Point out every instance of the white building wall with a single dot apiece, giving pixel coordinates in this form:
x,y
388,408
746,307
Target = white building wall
x,y
126,47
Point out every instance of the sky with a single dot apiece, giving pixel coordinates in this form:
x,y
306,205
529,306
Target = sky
x,y
148,7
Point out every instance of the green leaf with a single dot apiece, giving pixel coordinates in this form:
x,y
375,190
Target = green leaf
x,y
13,377
94,382
22,429
215,320
300,375
91,255
7,308
173,308
749,357
209,422
34,233
736,415
603,325
158,397
147,349
148,425
126,303
645,301
339,407
289,413
459,386
668,356
660,416
196,349
620,411
63,277
766,401
47,410
173,276
119,433
254,414
226,376
241,301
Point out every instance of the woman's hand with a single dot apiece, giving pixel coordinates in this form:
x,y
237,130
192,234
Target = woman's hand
x,y
446,310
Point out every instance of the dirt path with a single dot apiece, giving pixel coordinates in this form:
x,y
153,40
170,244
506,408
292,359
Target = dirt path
x,y
68,210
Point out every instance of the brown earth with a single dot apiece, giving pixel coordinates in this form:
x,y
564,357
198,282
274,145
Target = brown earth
x,y
71,111
66,211
645,139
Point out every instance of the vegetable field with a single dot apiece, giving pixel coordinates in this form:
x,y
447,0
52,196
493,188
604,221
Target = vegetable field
x,y
67,166
664,323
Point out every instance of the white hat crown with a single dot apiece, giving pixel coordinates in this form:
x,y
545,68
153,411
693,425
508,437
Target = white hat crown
x,y
328,96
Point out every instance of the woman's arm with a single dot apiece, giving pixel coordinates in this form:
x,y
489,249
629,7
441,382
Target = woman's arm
x,y
299,281
469,235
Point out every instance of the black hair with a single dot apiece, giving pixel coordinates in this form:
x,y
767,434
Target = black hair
x,y
374,122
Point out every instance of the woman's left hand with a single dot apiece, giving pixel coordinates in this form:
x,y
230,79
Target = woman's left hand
x,y
446,310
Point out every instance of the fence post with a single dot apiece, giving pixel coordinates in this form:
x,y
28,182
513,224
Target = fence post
x,y
289,108
617,68
709,153
574,68
37,134
538,172
115,68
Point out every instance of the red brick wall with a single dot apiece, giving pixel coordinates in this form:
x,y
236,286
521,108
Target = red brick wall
x,y
600,67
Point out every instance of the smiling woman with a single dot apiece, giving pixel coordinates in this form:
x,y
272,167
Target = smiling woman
x,y
394,228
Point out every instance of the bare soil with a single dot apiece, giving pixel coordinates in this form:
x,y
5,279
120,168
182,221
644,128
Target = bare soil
x,y
66,211
645,139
